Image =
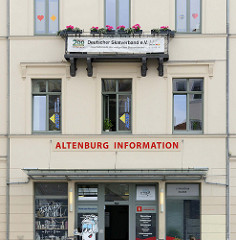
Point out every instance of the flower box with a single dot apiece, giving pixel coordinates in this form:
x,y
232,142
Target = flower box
x,y
111,32
139,32
155,32
94,32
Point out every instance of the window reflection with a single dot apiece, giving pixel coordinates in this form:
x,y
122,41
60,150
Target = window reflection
x,y
117,192
179,112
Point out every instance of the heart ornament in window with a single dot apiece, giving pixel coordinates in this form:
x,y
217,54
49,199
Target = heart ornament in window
x,y
194,15
40,17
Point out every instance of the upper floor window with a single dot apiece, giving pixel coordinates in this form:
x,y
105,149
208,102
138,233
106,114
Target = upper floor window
x,y
188,105
46,16
188,16
117,12
117,96
46,105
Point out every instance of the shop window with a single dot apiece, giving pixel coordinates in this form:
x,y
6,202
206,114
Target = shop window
x,y
182,211
46,16
117,13
117,96
46,105
188,105
51,211
188,16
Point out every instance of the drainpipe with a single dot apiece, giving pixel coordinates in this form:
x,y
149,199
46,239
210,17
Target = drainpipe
x,y
8,126
227,127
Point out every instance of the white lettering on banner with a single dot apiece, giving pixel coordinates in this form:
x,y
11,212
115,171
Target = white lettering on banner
x,y
99,145
116,45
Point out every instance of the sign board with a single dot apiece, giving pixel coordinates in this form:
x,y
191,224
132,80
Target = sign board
x,y
145,222
128,144
145,193
116,44
182,190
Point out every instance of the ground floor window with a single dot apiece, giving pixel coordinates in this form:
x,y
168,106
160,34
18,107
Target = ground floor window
x,y
182,211
51,211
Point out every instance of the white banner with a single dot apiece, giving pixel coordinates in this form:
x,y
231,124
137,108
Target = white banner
x,y
116,44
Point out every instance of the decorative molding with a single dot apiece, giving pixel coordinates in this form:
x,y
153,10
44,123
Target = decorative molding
x,y
192,68
45,69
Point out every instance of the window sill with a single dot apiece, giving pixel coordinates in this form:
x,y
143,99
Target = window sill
x,y
188,133
116,133
47,133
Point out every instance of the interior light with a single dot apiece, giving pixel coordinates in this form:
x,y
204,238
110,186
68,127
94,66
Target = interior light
x,y
162,200
71,200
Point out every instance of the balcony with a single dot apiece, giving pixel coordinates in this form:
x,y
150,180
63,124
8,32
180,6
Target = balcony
x,y
116,48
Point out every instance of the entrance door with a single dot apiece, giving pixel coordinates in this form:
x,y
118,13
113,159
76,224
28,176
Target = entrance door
x,y
117,222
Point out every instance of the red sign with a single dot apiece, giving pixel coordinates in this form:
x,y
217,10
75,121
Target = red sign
x,y
139,208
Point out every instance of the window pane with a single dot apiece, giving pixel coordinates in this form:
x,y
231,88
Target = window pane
x,y
179,85
124,112
195,111
125,85
51,210
108,85
40,27
180,112
124,13
39,86
181,16
53,189
54,86
182,218
109,104
39,113
195,15
53,16
54,113
111,13
196,85
117,192
87,192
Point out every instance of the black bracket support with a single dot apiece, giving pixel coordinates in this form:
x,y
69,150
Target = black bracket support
x,y
160,66
73,67
89,67
144,67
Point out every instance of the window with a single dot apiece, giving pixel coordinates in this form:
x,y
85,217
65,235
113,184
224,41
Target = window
x,y
188,16
188,105
51,210
182,211
46,105
46,16
117,13
117,103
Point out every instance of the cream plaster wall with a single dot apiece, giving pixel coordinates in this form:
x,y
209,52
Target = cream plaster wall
x,y
151,97
195,152
3,88
2,198
232,87
233,197
3,18
86,118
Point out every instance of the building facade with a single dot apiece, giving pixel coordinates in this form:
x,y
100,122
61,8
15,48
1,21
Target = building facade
x,y
166,169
